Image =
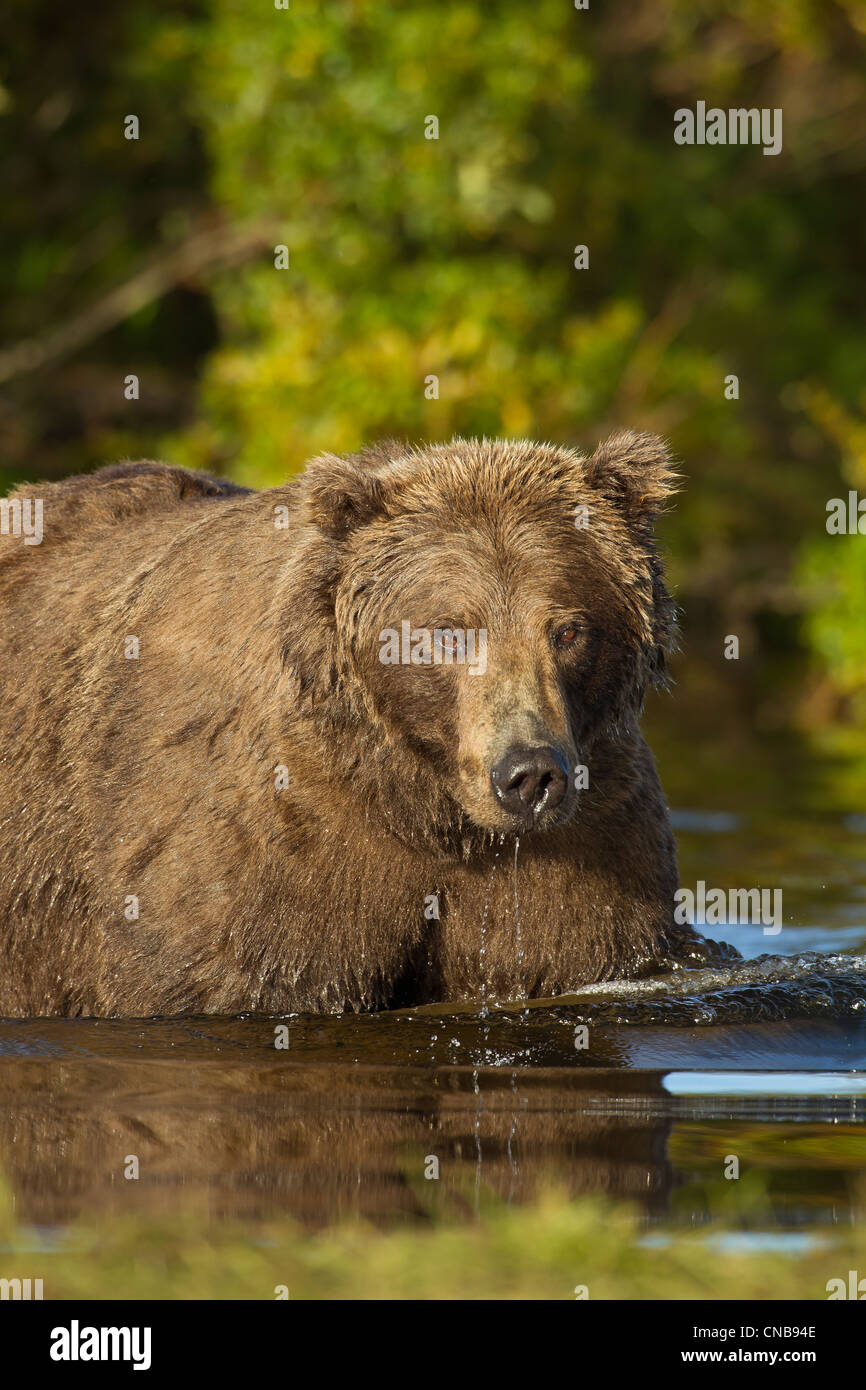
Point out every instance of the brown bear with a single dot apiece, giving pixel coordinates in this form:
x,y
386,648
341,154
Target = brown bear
x,y
363,740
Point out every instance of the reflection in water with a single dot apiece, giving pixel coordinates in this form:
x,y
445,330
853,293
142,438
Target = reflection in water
x,y
317,1142
825,1084
345,1122
759,1059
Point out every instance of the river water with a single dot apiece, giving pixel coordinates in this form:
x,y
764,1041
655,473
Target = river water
x,y
641,1093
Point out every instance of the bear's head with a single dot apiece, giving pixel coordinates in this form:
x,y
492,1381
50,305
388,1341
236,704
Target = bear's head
x,y
465,621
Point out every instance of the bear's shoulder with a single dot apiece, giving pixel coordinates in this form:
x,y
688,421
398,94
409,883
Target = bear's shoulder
x,y
143,484
119,492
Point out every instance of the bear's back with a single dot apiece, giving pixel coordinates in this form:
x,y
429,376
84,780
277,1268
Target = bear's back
x,y
87,503
96,532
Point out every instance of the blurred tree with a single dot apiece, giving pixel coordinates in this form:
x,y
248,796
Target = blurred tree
x,y
453,258
413,258
106,241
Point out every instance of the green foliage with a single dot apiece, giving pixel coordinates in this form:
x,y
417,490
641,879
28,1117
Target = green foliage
x,y
412,258
540,1251
454,257
833,567
83,209
836,579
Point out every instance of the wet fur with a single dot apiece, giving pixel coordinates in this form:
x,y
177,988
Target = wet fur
x,y
155,776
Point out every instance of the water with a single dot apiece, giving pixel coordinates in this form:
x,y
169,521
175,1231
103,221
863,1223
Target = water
x,y
765,1059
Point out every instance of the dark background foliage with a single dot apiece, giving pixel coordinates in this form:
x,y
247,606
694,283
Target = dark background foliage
x,y
412,257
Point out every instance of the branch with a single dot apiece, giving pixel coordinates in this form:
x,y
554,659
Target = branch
x,y
211,249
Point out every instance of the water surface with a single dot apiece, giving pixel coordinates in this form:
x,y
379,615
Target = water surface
x,y
347,1119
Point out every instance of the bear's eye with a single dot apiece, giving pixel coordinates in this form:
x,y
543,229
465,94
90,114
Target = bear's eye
x,y
567,635
447,636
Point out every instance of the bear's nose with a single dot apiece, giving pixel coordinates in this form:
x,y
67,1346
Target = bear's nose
x,y
528,781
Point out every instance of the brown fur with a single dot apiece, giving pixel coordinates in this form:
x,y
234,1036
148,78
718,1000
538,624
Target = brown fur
x,y
259,648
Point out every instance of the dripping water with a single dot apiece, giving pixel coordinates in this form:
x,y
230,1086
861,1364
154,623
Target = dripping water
x,y
520,984
522,995
485,1015
485,1012
476,1086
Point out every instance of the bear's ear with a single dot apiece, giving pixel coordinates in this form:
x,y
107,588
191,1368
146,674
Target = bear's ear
x,y
635,472
341,494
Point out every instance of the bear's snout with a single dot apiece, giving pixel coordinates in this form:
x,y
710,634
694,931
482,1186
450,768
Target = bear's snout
x,y
530,782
